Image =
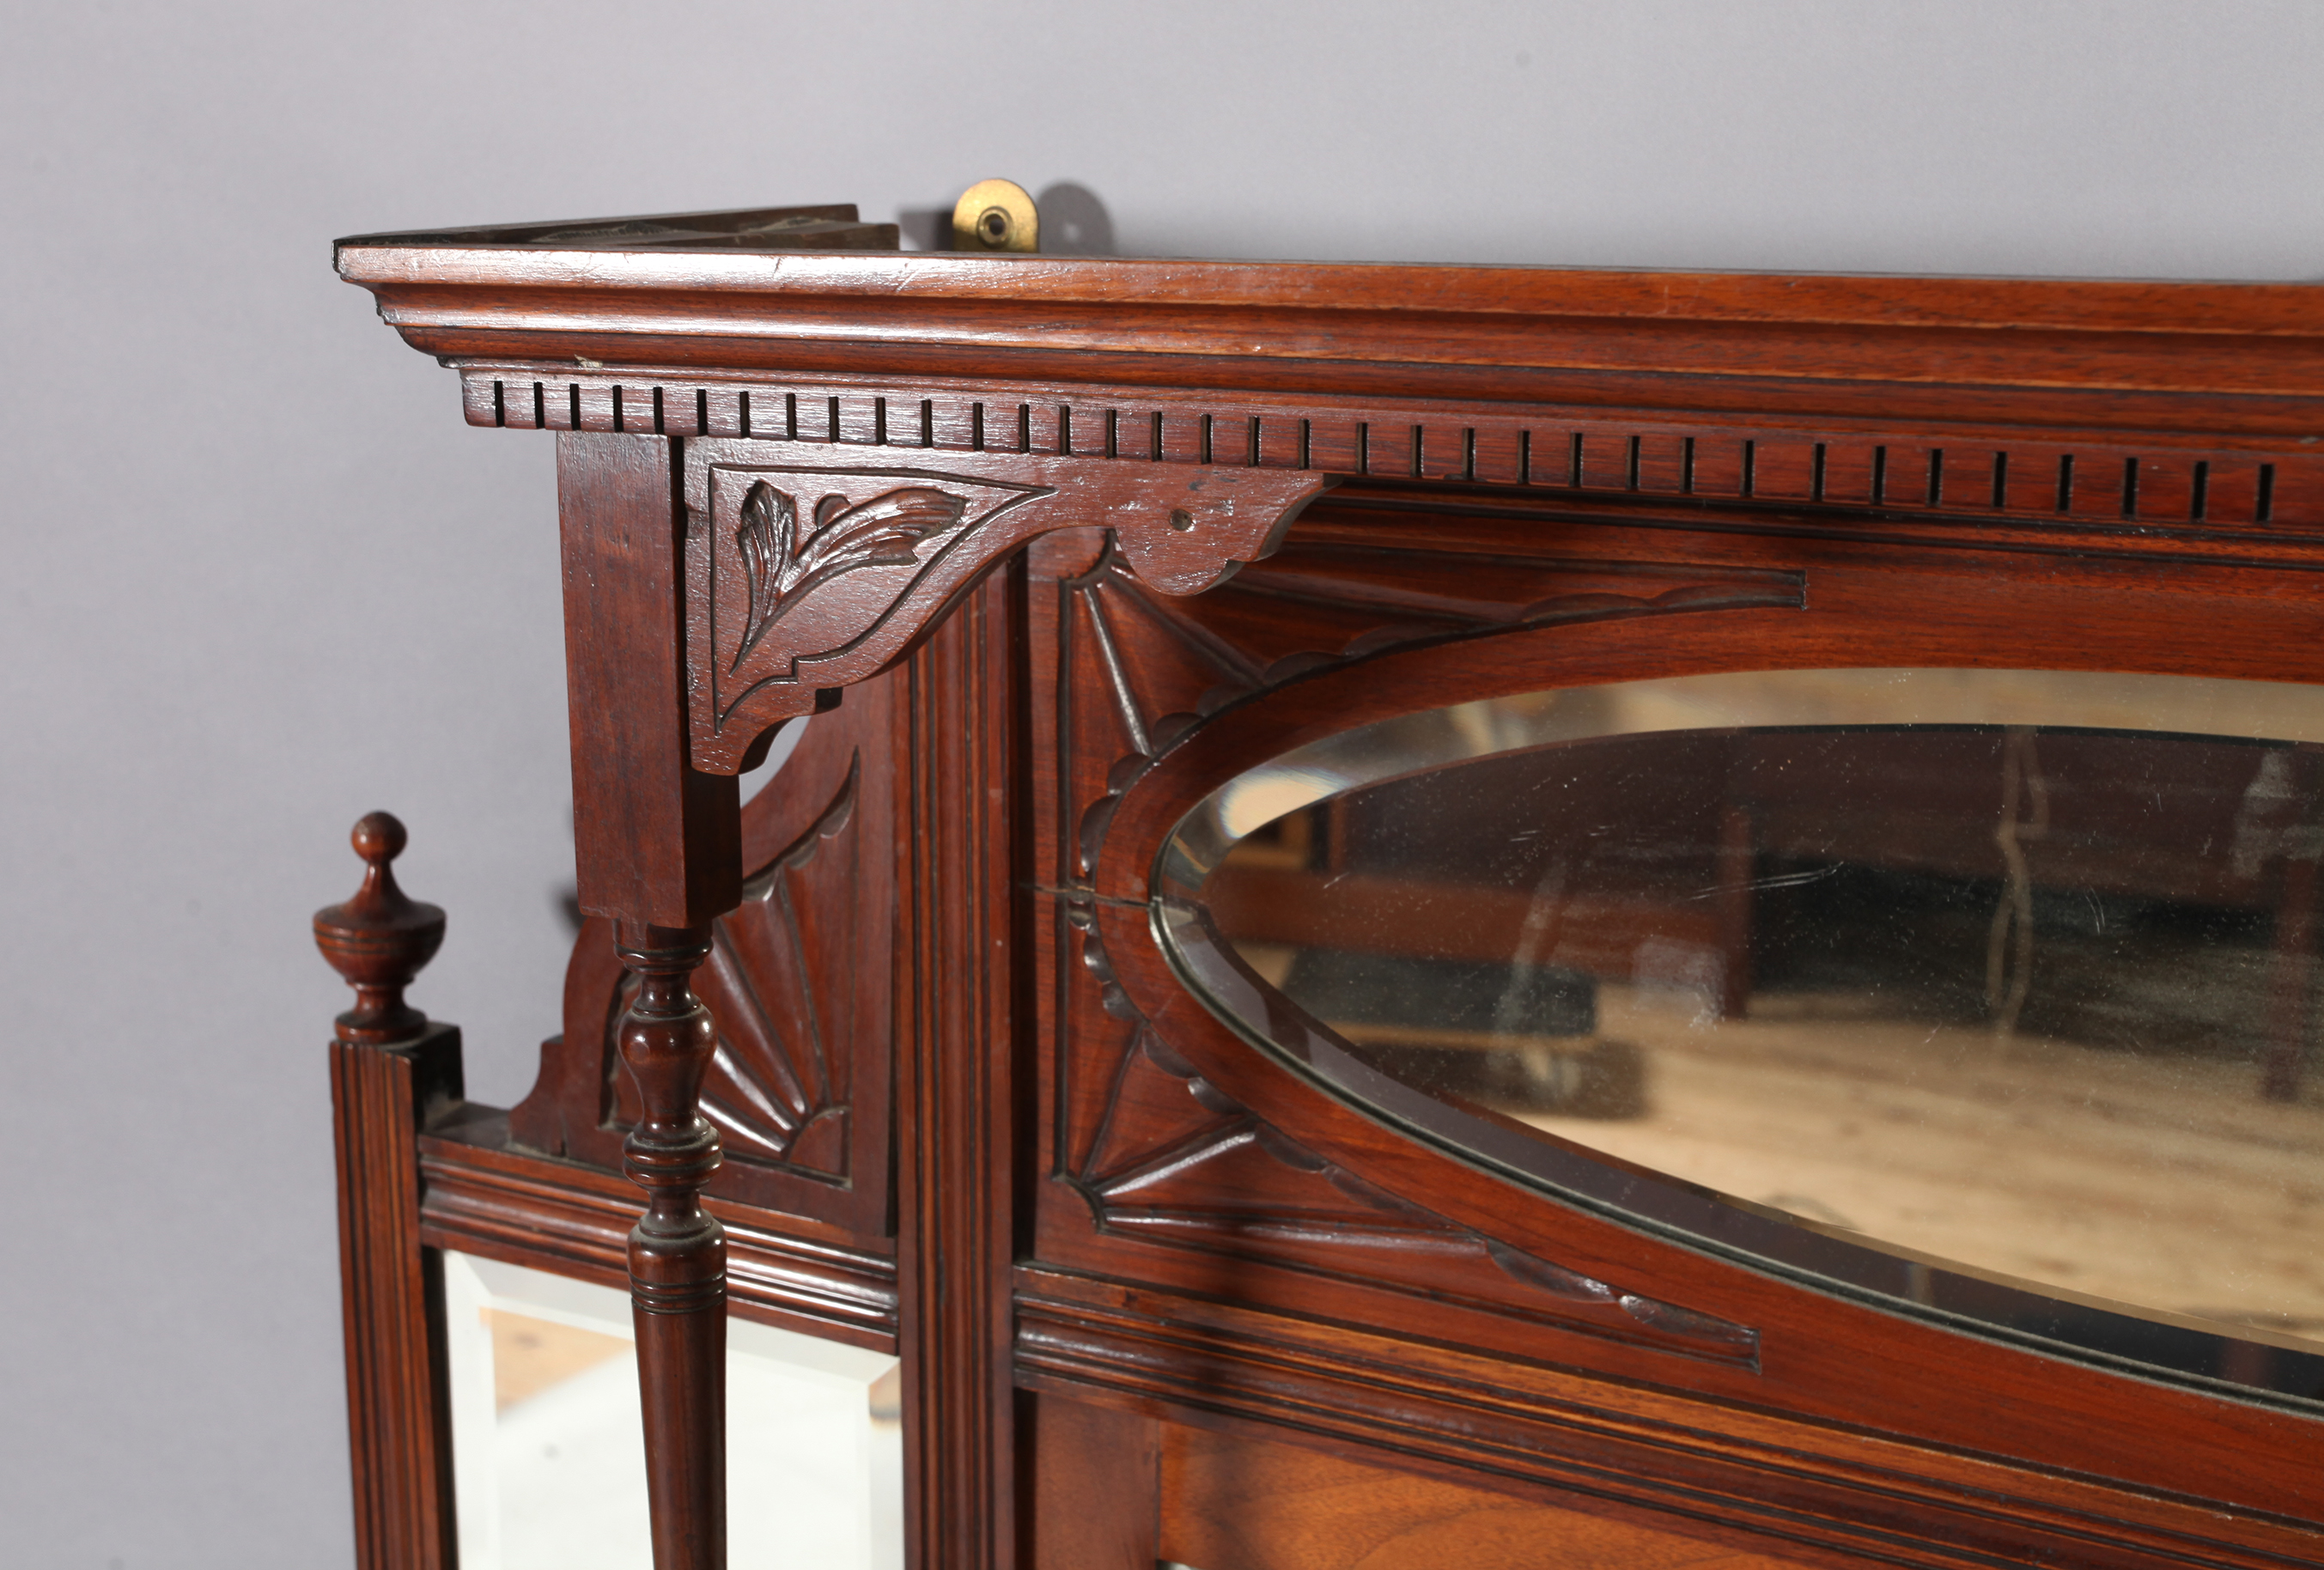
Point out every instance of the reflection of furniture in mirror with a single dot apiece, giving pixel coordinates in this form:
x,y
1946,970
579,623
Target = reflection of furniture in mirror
x,y
1900,1063
1429,916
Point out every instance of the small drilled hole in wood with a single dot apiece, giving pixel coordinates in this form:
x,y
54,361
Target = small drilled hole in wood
x,y
1181,519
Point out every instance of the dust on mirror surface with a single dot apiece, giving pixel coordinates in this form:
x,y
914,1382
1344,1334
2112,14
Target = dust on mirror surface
x,y
2005,976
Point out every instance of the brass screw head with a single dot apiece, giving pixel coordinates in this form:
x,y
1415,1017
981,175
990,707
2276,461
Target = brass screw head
x,y
995,215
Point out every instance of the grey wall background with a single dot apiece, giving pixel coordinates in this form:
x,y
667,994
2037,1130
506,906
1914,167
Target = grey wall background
x,y
259,577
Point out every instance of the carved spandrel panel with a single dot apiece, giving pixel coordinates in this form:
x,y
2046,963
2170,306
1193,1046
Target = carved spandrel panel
x,y
1155,1152
1143,1147
780,1085
1139,670
805,576
799,982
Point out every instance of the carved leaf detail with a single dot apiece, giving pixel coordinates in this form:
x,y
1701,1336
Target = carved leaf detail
x,y
779,568
767,538
882,531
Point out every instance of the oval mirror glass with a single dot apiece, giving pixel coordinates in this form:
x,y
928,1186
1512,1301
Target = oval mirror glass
x,y
1986,993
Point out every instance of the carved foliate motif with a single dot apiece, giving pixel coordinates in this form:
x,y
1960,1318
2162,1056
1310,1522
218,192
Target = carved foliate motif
x,y
804,577
781,568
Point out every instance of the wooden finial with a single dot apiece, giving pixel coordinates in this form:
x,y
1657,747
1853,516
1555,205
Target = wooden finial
x,y
379,940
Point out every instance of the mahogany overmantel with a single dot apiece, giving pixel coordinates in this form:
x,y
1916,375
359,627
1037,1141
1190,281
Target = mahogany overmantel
x,y
931,496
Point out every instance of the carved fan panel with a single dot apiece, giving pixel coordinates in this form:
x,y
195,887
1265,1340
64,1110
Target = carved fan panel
x,y
1139,669
780,1088
797,982
1154,1150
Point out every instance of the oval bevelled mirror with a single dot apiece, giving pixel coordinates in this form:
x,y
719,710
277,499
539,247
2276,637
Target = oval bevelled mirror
x,y
1987,992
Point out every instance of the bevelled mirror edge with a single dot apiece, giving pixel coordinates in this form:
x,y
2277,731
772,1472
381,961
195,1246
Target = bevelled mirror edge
x,y
1904,1279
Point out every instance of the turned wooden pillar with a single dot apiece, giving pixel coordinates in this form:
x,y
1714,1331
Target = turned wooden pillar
x,y
390,1068
677,1253
658,848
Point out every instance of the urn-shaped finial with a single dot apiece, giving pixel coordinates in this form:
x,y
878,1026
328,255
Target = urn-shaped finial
x,y
380,939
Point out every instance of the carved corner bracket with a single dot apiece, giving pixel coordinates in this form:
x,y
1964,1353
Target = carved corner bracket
x,y
802,577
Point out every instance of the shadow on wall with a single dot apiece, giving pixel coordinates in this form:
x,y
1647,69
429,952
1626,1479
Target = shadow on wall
x,y
1073,223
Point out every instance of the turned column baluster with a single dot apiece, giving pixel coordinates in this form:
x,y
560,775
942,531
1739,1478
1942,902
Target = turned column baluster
x,y
678,1253
658,847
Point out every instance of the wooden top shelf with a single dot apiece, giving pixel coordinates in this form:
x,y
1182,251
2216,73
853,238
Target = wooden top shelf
x,y
806,288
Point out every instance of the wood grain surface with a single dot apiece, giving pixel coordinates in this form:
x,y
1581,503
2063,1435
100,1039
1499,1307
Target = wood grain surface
x,y
1232,1502
1159,1296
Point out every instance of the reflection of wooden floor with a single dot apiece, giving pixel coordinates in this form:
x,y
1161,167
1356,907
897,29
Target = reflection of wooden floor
x,y
2159,1181
530,1355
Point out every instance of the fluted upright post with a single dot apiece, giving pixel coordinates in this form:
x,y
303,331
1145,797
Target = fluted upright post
x,y
678,1253
390,1066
